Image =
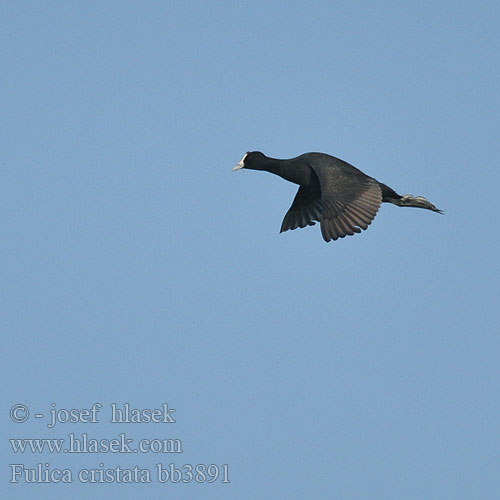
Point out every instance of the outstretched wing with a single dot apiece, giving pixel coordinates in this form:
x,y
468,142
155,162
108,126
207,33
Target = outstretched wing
x,y
306,208
349,198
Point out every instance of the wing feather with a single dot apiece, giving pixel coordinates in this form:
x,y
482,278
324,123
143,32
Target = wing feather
x,y
350,199
345,203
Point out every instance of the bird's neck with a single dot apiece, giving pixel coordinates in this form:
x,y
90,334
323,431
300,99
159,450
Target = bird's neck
x,y
290,170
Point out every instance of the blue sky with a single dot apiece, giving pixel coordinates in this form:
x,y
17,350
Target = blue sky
x,y
139,269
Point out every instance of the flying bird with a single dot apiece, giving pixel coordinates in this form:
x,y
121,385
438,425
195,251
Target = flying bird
x,y
332,192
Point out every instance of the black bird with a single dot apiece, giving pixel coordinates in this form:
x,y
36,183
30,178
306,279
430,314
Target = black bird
x,y
339,196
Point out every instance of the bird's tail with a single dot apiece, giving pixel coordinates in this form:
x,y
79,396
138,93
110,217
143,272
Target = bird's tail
x,y
407,200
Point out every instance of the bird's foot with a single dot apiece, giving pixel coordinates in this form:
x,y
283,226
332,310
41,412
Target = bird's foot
x,y
408,200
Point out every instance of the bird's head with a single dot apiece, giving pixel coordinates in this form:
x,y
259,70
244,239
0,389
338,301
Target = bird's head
x,y
252,160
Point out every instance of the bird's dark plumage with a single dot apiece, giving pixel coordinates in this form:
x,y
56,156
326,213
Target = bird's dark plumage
x,y
332,192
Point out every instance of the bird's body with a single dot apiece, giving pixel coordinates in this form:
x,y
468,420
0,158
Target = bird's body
x,y
339,196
